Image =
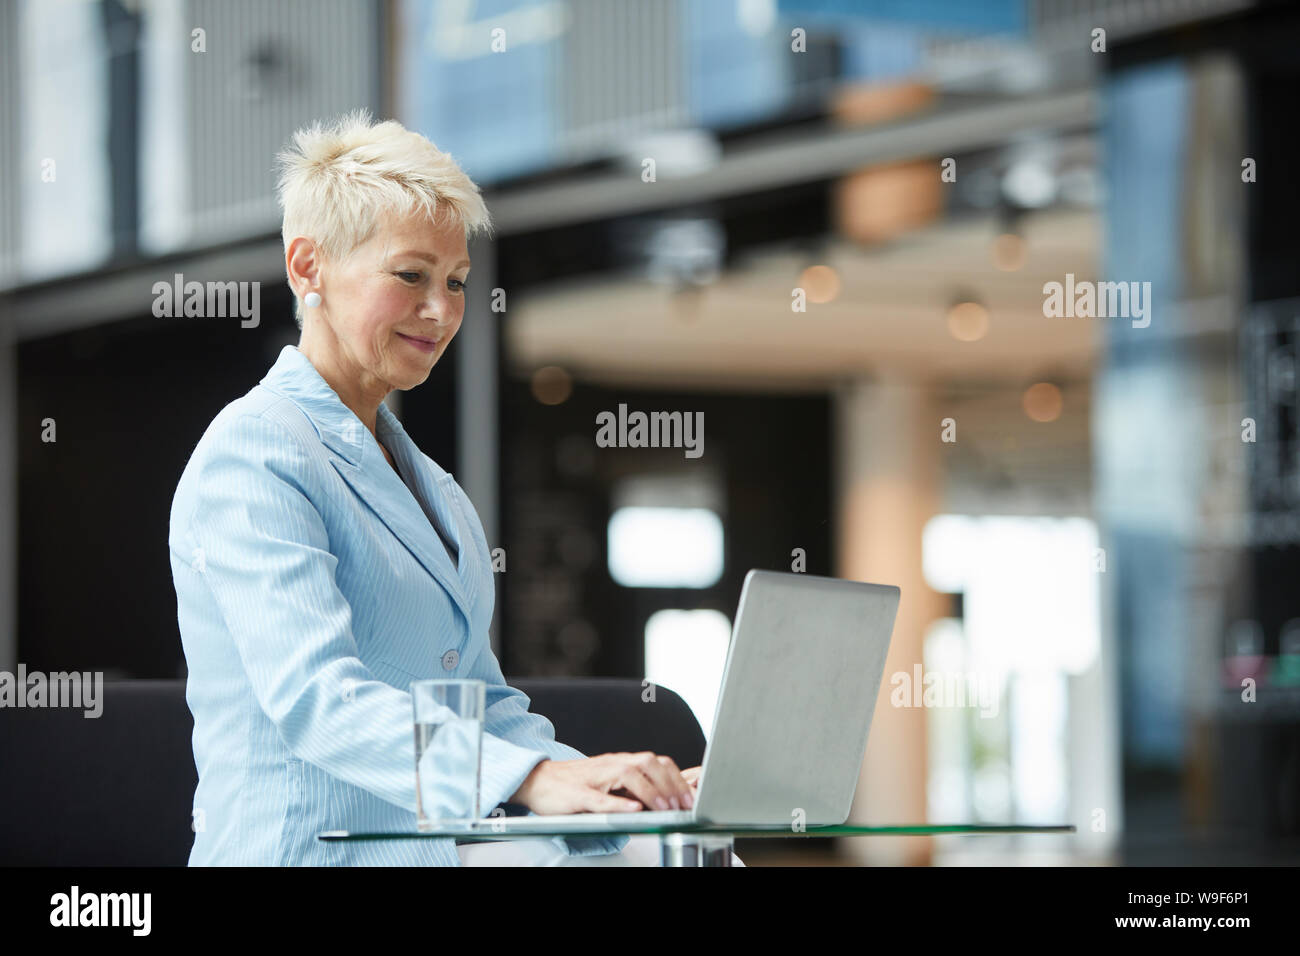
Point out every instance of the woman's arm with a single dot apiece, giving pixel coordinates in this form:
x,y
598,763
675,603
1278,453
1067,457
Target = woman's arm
x,y
267,564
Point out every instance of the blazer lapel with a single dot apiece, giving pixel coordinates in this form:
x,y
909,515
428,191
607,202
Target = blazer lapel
x,y
437,491
392,501
356,456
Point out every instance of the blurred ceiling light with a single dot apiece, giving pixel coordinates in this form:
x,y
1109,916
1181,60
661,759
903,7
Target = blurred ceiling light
x,y
1042,402
552,385
821,283
684,252
968,321
1008,252
1030,184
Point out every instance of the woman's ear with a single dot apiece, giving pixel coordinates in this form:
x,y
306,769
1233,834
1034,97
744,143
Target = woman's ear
x,y
302,262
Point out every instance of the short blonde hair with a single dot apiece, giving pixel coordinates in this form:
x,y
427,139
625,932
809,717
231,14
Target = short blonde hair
x,y
337,181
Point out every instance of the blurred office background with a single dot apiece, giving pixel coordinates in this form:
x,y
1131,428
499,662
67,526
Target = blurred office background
x,y
824,224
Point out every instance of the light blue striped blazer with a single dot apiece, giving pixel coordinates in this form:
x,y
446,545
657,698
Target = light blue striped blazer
x,y
311,590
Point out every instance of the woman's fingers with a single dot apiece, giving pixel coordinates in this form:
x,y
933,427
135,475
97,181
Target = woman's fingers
x,y
655,781
624,782
628,796
615,801
632,780
676,790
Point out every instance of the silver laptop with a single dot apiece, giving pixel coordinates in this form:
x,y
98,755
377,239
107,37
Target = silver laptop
x,y
803,669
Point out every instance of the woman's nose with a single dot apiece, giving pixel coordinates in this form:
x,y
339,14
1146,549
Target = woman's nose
x,y
439,311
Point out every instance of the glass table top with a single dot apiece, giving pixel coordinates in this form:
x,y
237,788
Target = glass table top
x,y
483,830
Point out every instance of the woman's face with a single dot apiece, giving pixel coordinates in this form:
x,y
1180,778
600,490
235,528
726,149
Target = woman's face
x,y
393,306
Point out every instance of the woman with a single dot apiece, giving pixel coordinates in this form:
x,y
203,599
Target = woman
x,y
322,562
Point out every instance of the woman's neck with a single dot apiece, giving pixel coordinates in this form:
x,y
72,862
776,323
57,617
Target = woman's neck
x,y
358,390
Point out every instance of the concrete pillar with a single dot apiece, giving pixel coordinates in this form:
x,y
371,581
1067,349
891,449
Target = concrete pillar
x,y
10,234
888,487
8,493
477,350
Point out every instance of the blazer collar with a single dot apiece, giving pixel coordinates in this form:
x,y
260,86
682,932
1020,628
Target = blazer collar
x,y
294,377
359,460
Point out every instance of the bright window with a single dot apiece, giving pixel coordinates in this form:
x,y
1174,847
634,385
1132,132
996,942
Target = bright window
x,y
657,547
687,651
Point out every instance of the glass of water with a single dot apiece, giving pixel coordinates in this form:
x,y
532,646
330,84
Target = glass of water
x,y
448,745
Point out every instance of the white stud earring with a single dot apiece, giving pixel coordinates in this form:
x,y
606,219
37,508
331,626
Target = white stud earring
x,y
311,300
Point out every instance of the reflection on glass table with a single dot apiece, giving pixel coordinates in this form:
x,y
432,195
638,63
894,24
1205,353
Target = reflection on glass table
x,y
694,844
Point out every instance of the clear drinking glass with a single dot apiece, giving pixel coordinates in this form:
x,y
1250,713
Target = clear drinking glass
x,y
448,748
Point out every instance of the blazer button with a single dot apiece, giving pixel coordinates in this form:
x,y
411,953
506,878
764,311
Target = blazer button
x,y
450,660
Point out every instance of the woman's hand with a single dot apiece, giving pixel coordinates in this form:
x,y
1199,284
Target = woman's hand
x,y
609,783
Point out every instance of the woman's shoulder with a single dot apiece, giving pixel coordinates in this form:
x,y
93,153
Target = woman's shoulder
x,y
260,428
259,445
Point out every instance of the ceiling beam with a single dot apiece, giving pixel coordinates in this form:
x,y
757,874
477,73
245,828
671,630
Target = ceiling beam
x,y
775,161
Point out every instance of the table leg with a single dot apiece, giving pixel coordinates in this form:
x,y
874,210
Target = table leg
x,y
695,849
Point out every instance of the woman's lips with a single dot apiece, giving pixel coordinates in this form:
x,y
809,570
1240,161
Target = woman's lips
x,y
421,343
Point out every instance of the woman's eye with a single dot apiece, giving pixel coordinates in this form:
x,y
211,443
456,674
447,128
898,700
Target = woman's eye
x,y
408,276
457,284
